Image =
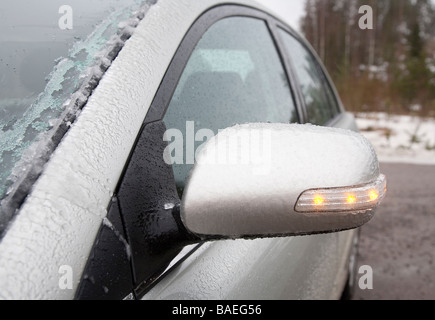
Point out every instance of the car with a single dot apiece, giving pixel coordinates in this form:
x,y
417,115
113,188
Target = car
x,y
181,150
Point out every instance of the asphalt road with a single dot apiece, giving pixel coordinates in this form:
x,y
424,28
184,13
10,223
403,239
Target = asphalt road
x,y
399,242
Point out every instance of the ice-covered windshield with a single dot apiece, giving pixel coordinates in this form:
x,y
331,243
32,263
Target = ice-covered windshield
x,y
44,48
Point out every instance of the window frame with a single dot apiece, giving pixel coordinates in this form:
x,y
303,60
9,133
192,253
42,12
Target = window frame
x,y
325,78
188,44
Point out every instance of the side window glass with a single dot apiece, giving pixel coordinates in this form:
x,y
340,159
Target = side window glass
x,y
233,76
319,99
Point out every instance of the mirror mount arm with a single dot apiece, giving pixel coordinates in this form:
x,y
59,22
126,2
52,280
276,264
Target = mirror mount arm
x,y
184,236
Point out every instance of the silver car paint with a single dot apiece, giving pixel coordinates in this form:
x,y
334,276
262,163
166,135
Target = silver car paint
x,y
58,223
257,196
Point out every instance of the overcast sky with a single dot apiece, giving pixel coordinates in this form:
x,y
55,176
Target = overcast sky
x,y
290,10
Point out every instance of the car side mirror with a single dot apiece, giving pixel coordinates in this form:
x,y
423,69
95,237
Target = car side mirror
x,y
269,180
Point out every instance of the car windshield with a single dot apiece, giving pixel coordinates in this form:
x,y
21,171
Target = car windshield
x,y
46,48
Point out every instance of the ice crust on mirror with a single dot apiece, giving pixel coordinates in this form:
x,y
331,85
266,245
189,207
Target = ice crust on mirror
x,y
237,197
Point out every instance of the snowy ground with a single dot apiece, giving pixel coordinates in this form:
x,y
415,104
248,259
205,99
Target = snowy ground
x,y
399,139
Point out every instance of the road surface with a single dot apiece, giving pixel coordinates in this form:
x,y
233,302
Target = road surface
x,y
399,242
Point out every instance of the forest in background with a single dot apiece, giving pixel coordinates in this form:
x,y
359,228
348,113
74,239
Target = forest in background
x,y
390,68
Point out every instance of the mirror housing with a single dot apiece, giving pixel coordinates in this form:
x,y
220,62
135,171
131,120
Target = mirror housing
x,y
270,180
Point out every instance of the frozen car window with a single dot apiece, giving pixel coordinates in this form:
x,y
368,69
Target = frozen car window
x,y
233,76
44,48
314,90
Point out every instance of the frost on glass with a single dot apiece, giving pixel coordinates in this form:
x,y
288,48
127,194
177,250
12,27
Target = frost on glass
x,y
28,116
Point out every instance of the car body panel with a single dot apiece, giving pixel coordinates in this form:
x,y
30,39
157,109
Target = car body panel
x,y
58,222
264,269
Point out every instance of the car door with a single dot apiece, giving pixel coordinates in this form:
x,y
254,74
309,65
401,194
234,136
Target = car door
x,y
322,107
235,74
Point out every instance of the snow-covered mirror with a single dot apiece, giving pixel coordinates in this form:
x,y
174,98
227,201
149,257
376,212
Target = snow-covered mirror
x,y
267,180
